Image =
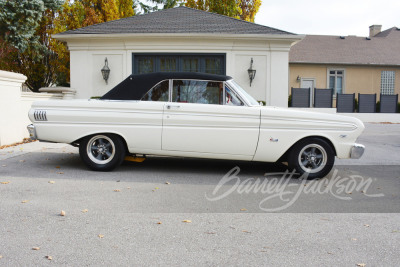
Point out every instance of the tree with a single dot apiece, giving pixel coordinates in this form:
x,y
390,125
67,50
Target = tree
x,y
159,5
19,20
25,41
240,9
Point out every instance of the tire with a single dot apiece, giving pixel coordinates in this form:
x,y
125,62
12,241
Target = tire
x,y
312,157
102,152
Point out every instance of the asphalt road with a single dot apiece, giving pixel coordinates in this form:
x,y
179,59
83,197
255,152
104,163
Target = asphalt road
x,y
239,213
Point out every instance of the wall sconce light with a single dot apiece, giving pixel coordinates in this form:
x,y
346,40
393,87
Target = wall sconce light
x,y
298,78
105,71
252,73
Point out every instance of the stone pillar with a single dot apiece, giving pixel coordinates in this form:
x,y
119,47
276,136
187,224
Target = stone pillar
x,y
10,112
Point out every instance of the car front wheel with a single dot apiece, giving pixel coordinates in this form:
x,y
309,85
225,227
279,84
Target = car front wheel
x,y
102,152
312,157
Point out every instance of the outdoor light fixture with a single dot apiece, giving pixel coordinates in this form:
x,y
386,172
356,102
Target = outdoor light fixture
x,y
105,71
252,73
298,78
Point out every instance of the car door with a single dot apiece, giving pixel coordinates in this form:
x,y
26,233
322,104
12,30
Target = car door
x,y
200,120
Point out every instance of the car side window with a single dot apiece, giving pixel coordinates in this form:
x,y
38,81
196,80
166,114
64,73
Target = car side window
x,y
231,98
160,92
200,92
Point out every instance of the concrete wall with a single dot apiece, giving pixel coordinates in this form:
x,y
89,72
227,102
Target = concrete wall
x,y
14,107
358,79
270,61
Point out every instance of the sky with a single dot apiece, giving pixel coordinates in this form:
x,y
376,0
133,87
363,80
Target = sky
x,y
334,17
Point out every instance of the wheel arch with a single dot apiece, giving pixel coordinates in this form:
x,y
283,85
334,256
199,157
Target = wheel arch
x,y
324,138
79,140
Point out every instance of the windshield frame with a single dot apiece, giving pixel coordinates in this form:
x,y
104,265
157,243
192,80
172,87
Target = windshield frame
x,y
250,101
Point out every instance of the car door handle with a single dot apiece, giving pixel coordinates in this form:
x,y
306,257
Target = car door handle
x,y
173,106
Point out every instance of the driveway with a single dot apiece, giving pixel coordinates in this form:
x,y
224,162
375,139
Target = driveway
x,y
178,211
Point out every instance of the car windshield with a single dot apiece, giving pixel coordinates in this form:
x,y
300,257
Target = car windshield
x,y
240,90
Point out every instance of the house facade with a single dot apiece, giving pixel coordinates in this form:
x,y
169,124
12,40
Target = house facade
x,y
181,39
348,64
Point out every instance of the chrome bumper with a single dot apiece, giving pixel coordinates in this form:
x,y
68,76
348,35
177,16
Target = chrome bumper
x,y
32,132
357,151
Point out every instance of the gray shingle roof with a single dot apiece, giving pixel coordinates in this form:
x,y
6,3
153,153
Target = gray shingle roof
x,y
382,49
178,20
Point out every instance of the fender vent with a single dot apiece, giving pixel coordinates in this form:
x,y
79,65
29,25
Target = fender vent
x,y
40,115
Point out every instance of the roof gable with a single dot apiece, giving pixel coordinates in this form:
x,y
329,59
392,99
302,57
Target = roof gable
x,y
382,49
178,20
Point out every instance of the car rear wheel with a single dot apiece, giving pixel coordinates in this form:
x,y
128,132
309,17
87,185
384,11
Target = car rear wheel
x,y
312,157
102,152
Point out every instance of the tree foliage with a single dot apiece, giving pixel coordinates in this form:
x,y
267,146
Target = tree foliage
x,y
19,20
25,40
240,9
26,27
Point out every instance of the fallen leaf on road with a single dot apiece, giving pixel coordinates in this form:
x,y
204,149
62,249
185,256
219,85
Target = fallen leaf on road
x,y
159,222
60,172
354,239
330,253
366,225
22,160
5,182
1,256
167,183
243,209
49,258
101,236
128,187
58,167
24,201
361,264
117,190
245,231
187,221
51,182
35,248
62,213
85,210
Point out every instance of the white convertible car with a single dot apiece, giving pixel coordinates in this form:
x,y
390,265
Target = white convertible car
x,y
194,115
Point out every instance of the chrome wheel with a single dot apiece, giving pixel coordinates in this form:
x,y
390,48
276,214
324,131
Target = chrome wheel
x,y
100,149
312,158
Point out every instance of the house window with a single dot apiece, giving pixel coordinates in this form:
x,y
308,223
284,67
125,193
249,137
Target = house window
x,y
207,63
387,82
336,81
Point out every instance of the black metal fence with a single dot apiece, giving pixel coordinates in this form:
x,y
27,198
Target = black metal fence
x,y
345,103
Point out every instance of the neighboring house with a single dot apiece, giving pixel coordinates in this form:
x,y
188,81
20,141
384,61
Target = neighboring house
x,y
348,64
181,39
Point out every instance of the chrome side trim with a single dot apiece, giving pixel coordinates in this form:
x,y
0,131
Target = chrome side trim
x,y
357,151
32,132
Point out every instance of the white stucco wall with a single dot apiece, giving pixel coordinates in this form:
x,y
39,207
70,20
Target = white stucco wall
x,y
270,55
14,107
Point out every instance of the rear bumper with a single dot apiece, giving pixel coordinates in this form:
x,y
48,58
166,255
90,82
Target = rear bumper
x,y
357,151
32,132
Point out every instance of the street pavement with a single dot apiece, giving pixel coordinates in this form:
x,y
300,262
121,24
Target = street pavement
x,y
197,212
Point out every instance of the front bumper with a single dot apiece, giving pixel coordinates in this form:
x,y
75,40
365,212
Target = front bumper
x,y
32,132
357,151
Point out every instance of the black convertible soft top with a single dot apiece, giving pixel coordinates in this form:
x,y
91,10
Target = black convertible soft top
x,y
136,86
